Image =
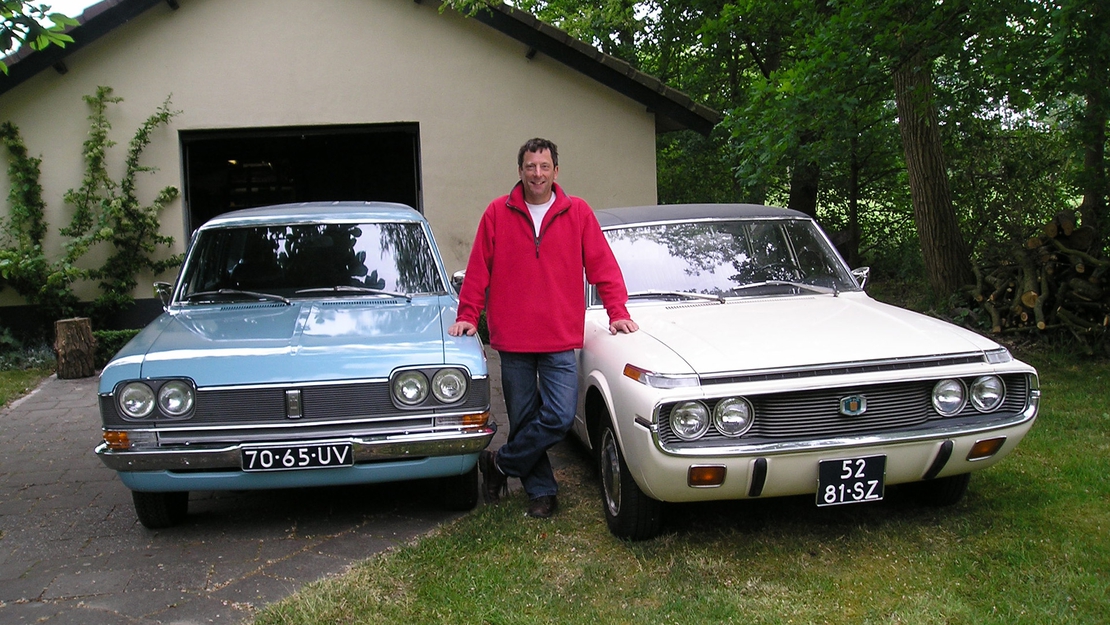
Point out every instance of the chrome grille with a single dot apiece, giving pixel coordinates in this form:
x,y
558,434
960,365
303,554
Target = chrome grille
x,y
328,402
809,415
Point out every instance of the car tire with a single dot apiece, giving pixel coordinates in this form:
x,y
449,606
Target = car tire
x,y
629,513
160,510
460,492
942,491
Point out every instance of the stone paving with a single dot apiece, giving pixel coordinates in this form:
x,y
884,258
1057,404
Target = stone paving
x,y
72,550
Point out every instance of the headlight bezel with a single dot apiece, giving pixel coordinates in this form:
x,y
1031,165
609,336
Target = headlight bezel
x,y
975,399
137,393
690,408
949,409
410,379
724,404
446,375
434,378
153,394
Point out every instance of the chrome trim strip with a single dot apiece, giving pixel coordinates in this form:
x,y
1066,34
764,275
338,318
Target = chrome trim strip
x,y
702,220
836,368
396,447
346,423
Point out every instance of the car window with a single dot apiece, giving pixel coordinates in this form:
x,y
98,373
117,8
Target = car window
x,y
286,259
727,258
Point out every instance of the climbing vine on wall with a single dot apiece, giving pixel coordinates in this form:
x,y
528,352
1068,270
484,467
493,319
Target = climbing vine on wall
x,y
105,212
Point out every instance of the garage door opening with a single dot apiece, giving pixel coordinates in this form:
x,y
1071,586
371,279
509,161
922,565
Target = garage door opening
x,y
226,170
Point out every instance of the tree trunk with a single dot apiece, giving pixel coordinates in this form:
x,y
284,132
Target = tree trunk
x,y
75,347
946,254
805,178
1093,209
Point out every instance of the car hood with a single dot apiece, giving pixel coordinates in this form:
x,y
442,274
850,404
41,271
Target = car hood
x,y
771,333
259,343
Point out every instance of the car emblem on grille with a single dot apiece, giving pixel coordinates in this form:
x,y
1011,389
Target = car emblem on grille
x,y
293,404
853,405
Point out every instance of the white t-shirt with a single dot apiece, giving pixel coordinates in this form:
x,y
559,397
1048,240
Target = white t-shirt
x,y
538,211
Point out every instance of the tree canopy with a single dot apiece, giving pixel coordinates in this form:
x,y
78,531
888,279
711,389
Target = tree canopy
x,y
919,133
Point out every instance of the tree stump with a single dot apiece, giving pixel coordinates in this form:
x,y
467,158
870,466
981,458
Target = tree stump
x,y
75,348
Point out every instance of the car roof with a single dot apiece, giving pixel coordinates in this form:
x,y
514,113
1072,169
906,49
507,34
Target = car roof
x,y
610,217
317,212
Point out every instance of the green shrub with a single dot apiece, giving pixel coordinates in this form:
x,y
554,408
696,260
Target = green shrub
x,y
109,342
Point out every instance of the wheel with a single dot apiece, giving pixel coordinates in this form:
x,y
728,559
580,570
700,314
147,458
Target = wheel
x,y
159,510
629,513
460,492
942,491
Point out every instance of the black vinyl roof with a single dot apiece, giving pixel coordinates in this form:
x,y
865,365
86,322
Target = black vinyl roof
x,y
692,212
673,109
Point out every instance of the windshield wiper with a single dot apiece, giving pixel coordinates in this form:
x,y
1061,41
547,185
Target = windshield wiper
x,y
356,289
211,295
682,294
796,285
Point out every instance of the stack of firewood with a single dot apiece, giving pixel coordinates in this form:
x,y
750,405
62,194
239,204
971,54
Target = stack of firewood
x,y
1058,283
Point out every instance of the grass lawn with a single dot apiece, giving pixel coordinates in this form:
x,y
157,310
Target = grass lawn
x,y
1028,544
16,383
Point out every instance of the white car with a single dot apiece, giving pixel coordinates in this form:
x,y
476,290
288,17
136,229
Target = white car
x,y
763,369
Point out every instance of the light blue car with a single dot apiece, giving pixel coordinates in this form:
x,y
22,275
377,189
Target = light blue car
x,y
302,345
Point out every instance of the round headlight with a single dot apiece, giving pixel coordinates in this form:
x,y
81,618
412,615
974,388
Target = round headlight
x,y
449,385
410,388
136,400
733,416
987,393
175,398
689,420
949,397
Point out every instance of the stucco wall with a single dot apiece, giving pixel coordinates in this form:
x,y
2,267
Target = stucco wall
x,y
255,63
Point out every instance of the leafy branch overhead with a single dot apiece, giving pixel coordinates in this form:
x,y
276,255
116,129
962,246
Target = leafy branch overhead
x,y
23,23
105,212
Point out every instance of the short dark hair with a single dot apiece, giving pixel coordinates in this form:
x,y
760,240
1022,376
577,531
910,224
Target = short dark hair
x,y
537,145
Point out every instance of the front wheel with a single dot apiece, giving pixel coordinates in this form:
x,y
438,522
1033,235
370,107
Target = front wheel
x,y
460,492
160,510
629,513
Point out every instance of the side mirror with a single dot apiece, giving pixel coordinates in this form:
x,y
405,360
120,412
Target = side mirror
x,y
862,274
457,280
164,291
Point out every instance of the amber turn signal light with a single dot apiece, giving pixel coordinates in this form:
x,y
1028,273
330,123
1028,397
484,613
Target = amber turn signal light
x,y
116,440
705,477
475,420
986,448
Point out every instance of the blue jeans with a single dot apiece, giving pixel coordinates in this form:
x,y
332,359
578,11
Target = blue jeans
x,y
541,392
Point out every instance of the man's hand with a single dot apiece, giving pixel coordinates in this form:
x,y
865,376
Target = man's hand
x,y
624,326
460,328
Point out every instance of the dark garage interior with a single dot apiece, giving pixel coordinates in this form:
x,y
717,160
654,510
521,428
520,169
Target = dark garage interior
x,y
227,170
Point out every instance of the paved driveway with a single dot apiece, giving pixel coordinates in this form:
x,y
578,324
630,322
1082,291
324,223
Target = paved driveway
x,y
72,550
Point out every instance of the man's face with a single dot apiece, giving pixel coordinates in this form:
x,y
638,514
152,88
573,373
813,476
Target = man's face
x,y
538,173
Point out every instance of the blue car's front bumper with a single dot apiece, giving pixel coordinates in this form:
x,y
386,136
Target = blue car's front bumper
x,y
385,459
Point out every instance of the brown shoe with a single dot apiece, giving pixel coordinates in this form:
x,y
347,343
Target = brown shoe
x,y
543,507
494,481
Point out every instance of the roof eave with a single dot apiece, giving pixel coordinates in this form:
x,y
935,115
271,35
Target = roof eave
x,y
673,109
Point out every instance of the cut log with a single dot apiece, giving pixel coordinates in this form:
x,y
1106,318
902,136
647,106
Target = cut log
x,y
75,348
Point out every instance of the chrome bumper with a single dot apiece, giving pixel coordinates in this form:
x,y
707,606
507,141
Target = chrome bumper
x,y
222,458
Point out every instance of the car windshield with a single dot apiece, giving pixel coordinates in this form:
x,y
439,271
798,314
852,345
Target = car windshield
x,y
719,259
310,260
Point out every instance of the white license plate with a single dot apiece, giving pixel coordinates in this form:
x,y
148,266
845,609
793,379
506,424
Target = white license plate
x,y
850,480
291,457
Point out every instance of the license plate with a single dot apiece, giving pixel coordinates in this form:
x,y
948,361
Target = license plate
x,y
850,480
290,457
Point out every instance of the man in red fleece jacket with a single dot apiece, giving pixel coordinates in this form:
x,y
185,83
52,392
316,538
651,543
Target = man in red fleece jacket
x,y
531,251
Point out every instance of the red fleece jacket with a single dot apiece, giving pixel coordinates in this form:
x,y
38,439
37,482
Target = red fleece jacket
x,y
532,286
